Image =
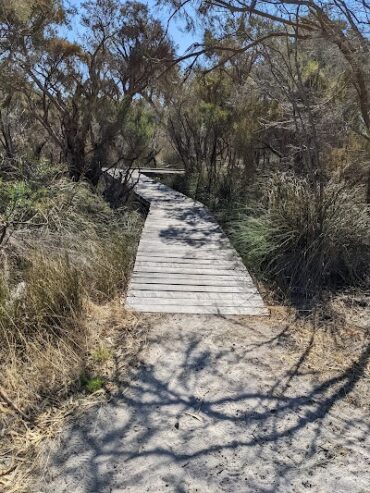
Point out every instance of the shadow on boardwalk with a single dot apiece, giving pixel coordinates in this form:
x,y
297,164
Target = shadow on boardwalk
x,y
193,236
211,407
199,229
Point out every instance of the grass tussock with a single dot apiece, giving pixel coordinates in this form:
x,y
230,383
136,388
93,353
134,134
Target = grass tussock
x,y
64,255
330,342
305,239
299,239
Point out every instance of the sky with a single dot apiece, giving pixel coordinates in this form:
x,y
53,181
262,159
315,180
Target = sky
x,y
177,32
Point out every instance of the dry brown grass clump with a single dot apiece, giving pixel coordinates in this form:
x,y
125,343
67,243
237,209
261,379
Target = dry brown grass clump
x,y
331,342
112,339
59,330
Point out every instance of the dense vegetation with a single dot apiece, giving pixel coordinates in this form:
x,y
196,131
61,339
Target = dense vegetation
x,y
269,115
64,252
271,123
272,127
289,182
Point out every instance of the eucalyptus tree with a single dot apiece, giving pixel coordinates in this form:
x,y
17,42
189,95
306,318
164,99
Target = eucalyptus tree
x,y
81,92
237,26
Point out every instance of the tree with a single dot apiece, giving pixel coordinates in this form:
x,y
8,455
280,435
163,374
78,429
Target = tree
x,y
342,24
81,92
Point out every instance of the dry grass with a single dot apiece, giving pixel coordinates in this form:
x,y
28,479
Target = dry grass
x,y
329,341
106,326
60,332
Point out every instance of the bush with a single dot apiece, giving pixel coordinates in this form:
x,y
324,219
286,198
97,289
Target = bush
x,y
76,249
304,241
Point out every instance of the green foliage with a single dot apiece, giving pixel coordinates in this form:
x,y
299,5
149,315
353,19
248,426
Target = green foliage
x,y
140,124
252,238
213,114
304,242
18,195
92,384
312,68
30,196
23,12
44,172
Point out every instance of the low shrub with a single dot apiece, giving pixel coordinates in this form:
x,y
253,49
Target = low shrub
x,y
69,251
305,240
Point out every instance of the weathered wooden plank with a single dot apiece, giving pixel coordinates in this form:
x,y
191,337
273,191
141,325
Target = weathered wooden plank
x,y
169,231
164,234
223,264
195,281
188,287
195,309
170,254
173,205
199,225
185,246
186,254
161,171
180,222
185,270
175,210
185,295
256,301
175,229
167,206
181,226
218,271
190,231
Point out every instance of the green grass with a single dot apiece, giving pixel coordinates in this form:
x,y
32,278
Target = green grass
x,y
92,384
305,244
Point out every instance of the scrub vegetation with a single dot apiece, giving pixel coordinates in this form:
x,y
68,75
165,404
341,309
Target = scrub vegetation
x,y
268,113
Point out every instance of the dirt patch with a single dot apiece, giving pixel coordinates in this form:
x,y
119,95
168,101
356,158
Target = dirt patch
x,y
222,404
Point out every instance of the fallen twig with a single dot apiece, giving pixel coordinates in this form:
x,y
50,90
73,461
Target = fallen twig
x,y
11,404
8,471
194,416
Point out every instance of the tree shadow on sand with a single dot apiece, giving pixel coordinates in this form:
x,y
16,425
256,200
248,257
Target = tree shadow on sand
x,y
200,421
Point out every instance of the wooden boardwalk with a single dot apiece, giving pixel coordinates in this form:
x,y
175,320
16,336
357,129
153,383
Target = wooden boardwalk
x,y
185,263
160,171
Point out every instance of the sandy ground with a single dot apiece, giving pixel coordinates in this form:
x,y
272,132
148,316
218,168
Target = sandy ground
x,y
214,406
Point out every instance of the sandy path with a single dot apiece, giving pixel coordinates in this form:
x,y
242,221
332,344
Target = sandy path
x,y
211,408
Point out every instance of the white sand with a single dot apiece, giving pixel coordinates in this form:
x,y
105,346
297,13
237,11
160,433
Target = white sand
x,y
213,407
